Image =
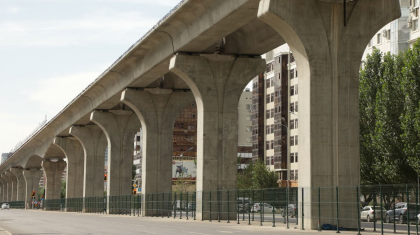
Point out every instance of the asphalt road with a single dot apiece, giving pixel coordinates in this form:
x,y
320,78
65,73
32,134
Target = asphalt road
x,y
25,222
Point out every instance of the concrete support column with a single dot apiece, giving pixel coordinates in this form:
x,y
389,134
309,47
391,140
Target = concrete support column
x,y
157,110
32,178
94,144
3,188
21,184
328,45
120,127
75,165
7,196
54,173
217,83
13,178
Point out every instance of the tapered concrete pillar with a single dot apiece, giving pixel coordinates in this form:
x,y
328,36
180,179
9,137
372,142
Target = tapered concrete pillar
x,y
21,184
75,165
217,83
157,110
13,178
7,188
120,127
54,173
328,45
94,144
32,178
3,187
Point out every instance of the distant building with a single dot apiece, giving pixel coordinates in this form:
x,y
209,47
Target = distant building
x,y
245,129
4,157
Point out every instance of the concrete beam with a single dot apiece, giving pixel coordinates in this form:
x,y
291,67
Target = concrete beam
x,y
328,53
217,83
14,186
7,196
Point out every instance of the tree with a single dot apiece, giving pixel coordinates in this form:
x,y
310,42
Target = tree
x,y
410,86
63,189
256,176
41,192
388,105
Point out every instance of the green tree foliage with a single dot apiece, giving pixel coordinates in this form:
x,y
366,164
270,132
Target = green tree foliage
x,y
389,100
256,176
63,189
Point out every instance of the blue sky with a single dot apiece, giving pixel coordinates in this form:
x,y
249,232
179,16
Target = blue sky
x,y
50,50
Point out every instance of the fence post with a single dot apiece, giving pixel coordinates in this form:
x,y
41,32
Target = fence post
x,y
374,206
319,209
180,206
382,221
175,204
408,210
237,204
187,205
395,227
417,210
249,207
210,205
286,207
358,210
253,202
218,204
303,210
261,204
228,207
338,215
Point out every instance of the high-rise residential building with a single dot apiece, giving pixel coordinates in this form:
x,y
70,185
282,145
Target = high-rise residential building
x,y
275,112
399,34
245,129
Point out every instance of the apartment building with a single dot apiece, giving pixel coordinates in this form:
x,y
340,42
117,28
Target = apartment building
x,y
245,129
275,112
399,34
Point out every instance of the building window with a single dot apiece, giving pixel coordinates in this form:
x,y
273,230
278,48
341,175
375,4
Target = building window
x,y
416,23
248,106
272,128
272,144
272,160
138,138
268,98
267,161
267,145
267,114
296,140
296,88
296,157
292,107
292,140
370,43
292,124
292,73
292,91
248,118
292,158
272,81
296,123
378,38
272,113
248,129
292,175
272,97
296,174
296,106
267,129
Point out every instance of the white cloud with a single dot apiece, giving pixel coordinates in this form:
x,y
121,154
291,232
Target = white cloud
x,y
53,94
104,26
13,10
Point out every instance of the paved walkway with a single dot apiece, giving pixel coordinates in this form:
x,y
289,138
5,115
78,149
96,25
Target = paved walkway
x,y
25,222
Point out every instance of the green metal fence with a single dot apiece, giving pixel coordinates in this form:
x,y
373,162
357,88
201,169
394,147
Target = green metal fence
x,y
378,208
15,205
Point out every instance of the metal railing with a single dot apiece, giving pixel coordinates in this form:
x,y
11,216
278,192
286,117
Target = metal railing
x,y
378,208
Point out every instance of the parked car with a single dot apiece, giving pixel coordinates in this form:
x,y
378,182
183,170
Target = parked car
x,y
293,211
369,213
5,206
244,207
401,215
263,207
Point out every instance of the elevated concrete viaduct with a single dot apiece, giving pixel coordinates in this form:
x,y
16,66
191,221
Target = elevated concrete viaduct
x,y
213,48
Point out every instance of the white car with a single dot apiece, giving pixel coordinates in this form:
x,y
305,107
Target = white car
x,y
368,213
267,208
418,218
5,206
